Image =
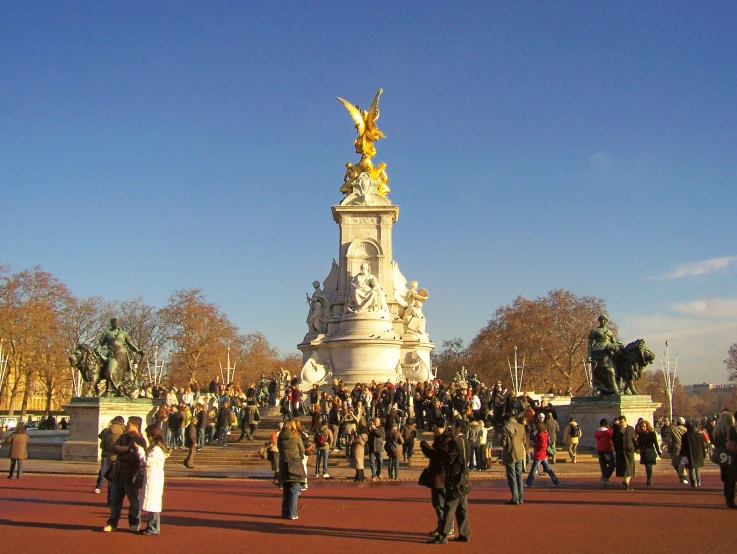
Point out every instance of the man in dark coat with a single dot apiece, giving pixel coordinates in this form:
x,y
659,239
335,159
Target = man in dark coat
x,y
437,453
224,421
201,421
624,451
455,463
128,464
376,440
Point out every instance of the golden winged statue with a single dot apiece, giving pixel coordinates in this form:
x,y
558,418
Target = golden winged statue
x,y
368,132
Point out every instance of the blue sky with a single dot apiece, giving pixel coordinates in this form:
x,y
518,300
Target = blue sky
x,y
147,147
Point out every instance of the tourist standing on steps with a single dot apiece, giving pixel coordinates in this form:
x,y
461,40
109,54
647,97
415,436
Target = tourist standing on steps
x,y
377,438
392,446
515,445
292,474
647,444
224,421
126,466
18,441
190,442
409,434
692,453
624,451
358,449
674,447
152,460
323,441
540,455
570,438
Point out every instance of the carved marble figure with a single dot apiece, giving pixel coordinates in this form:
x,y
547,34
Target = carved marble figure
x,y
410,301
367,294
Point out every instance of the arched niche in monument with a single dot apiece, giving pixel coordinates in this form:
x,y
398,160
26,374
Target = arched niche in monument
x,y
365,250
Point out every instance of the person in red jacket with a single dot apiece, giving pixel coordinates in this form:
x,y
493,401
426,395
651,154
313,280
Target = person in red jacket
x,y
605,450
540,455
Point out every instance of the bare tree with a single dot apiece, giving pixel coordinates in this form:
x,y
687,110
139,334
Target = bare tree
x,y
551,334
731,362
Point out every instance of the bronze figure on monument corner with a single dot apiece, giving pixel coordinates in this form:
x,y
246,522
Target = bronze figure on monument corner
x,y
615,367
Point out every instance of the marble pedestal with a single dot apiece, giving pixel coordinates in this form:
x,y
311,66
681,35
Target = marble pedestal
x,y
589,410
89,416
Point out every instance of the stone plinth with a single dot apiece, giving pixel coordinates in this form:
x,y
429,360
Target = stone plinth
x,y
89,416
589,410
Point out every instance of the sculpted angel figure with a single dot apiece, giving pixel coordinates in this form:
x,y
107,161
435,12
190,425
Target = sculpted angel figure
x,y
367,294
410,301
366,127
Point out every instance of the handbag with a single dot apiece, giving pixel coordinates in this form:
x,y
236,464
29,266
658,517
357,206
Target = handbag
x,y
426,478
113,472
295,468
722,457
137,479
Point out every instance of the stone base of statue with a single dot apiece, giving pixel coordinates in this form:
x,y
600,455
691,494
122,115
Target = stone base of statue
x,y
89,416
366,324
589,410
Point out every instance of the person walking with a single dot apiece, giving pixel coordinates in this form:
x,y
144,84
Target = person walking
x,y
570,437
515,445
121,479
624,451
725,431
552,426
18,452
457,487
649,448
152,460
292,474
675,439
692,453
605,450
540,455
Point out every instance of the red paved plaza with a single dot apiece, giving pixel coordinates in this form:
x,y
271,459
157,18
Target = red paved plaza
x,y
60,514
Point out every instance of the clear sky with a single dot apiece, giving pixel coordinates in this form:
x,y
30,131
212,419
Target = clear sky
x,y
151,146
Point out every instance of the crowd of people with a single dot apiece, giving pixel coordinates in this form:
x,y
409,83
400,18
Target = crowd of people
x,y
378,421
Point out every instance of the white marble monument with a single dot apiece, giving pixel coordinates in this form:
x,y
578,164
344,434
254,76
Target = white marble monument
x,y
366,322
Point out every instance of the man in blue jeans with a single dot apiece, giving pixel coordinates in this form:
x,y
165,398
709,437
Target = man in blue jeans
x,y
515,445
376,439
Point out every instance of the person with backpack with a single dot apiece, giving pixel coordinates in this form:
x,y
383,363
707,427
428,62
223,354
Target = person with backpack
x,y
409,434
570,437
392,448
323,440
541,442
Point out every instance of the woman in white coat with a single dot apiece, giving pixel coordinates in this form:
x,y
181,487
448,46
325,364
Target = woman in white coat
x,y
153,459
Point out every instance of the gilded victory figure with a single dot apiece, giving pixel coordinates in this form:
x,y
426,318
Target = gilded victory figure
x,y
368,133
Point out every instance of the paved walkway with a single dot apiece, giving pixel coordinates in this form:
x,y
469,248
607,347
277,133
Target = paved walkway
x,y
587,467
50,514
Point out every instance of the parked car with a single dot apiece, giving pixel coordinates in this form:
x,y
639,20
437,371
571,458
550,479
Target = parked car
x,y
32,425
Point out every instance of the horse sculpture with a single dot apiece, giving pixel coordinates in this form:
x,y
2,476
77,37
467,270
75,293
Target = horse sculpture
x,y
629,363
91,366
